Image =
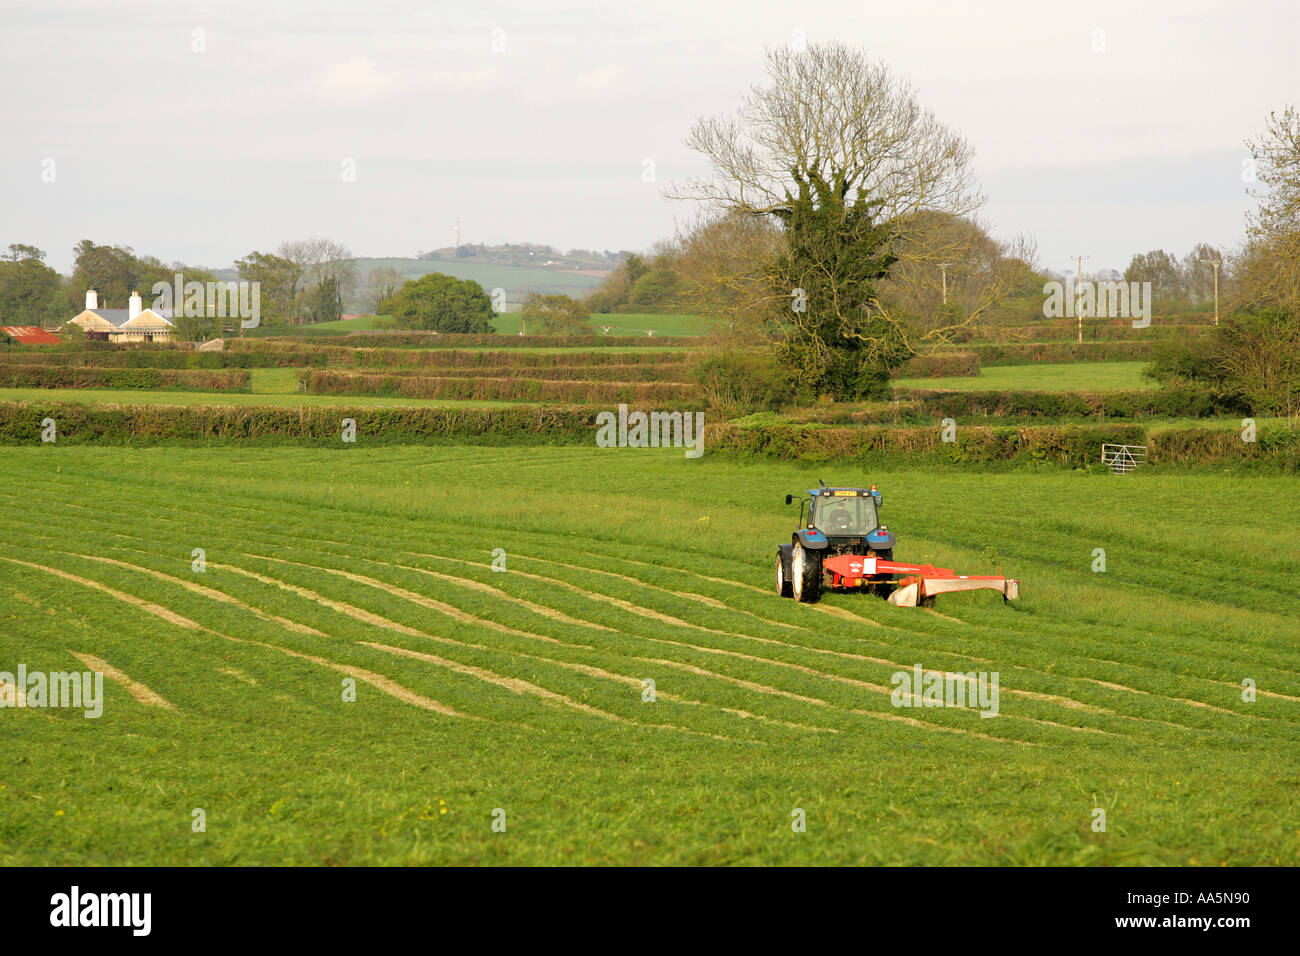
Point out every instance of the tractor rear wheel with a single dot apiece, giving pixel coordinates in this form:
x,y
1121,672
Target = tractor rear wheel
x,y
806,574
783,587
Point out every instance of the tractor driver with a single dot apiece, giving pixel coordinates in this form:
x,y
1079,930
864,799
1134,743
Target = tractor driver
x,y
840,519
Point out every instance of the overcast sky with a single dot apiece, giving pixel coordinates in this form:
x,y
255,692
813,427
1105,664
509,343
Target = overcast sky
x,y
202,131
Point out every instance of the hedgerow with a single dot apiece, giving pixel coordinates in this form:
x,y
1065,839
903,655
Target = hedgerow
x,y
1180,402
55,376
1028,354
499,389
1072,445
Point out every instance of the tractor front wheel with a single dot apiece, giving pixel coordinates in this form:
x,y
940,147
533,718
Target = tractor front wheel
x,y
806,574
783,587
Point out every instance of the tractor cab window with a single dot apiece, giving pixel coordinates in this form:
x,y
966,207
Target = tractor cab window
x,y
845,516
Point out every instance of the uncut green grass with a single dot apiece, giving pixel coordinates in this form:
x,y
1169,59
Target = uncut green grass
x,y
1196,595
1044,377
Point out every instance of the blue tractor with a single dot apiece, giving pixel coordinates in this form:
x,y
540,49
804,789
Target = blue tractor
x,y
843,545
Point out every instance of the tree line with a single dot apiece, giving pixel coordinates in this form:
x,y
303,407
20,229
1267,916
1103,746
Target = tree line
x,y
301,281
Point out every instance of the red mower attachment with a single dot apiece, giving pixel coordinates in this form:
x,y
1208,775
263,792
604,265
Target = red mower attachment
x,y
920,583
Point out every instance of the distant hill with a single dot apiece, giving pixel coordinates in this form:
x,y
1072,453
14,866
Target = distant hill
x,y
518,281
529,254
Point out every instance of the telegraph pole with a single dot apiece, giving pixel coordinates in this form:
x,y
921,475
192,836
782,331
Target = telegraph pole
x,y
1216,264
1077,285
943,268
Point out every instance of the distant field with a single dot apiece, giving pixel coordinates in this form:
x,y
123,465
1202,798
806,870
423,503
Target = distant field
x,y
1063,377
363,323
518,281
630,324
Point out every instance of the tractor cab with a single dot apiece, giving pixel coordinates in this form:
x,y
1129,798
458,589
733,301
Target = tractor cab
x,y
843,520
844,512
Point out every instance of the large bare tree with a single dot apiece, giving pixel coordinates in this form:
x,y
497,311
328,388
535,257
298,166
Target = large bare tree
x,y
320,262
838,150
831,113
1269,267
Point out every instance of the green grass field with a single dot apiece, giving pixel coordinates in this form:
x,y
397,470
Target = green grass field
x,y
523,691
1044,377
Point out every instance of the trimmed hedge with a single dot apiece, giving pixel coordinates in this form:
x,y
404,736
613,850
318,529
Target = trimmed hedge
x,y
1066,444
1094,330
500,389
1076,445
1023,354
175,359
1182,402
54,376
940,365
255,353
443,340
341,355
450,358
1197,445
644,372
77,424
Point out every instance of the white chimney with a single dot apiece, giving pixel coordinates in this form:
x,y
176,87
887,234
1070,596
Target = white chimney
x,y
136,306
92,299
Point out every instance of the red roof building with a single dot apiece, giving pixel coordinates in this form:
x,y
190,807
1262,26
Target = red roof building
x,y
30,335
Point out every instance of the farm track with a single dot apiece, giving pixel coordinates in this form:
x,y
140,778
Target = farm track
x,y
672,621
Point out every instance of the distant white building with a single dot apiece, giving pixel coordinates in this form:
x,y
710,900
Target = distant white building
x,y
132,324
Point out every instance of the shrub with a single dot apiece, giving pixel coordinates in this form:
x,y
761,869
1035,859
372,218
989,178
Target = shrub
x,y
441,303
740,383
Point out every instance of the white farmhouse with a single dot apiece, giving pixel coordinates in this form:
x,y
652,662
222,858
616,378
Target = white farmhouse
x,y
132,324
